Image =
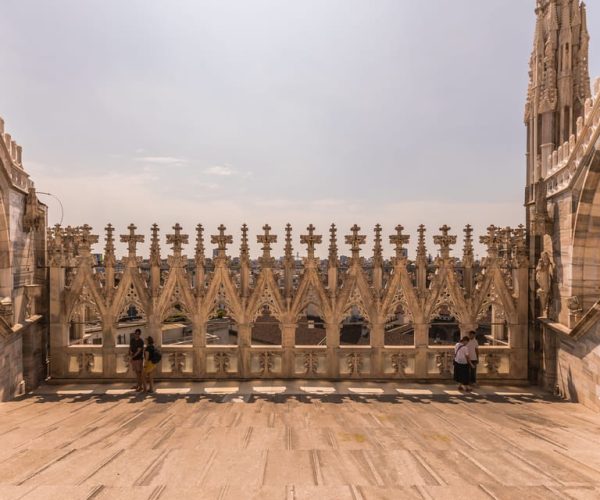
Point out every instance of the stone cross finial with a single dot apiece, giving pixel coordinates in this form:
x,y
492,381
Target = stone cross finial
x,y
244,248
221,240
266,239
177,239
310,240
355,240
399,240
288,250
377,250
132,240
85,238
444,240
333,249
421,249
491,241
154,246
468,248
109,247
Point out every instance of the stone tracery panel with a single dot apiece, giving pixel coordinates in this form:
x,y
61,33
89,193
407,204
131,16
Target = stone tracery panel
x,y
379,291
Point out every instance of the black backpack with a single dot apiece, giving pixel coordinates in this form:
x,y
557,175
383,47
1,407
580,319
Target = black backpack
x,y
155,356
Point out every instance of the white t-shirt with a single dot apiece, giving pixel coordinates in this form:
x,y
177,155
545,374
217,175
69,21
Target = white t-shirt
x,y
460,353
472,346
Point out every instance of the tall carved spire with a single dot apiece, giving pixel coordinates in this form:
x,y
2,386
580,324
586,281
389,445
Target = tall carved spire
x,y
558,80
421,261
199,254
468,259
288,264
377,249
154,260
332,261
244,248
421,248
288,249
333,249
244,263
109,247
154,246
109,258
468,247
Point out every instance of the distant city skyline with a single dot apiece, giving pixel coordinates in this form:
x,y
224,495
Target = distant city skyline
x,y
390,112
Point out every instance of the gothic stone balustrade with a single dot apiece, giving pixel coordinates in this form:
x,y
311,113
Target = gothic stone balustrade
x,y
336,318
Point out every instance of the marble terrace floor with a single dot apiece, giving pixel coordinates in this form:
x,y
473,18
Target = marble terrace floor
x,y
297,440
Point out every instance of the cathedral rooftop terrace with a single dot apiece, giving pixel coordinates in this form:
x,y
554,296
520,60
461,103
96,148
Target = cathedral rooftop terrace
x,y
295,440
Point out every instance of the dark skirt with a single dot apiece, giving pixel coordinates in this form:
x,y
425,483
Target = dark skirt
x,y
461,373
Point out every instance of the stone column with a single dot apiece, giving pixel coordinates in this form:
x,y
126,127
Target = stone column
x,y
288,337
199,345
244,342
59,328
421,343
377,343
109,354
332,333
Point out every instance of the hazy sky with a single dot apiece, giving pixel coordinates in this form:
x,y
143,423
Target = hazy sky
x,y
389,111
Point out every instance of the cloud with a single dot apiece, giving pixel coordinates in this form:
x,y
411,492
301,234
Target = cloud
x,y
161,160
221,170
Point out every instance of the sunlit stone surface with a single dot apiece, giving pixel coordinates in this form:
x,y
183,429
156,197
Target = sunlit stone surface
x,y
408,441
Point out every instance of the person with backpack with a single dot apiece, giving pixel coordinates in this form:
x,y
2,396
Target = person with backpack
x,y
462,365
152,357
136,358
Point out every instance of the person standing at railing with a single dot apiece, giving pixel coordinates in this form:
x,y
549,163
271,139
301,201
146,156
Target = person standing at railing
x,y
462,365
136,357
473,347
152,357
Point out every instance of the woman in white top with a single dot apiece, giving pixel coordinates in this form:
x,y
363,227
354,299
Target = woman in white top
x,y
462,365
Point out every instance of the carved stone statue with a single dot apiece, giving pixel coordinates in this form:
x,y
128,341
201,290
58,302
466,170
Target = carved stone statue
x,y
543,277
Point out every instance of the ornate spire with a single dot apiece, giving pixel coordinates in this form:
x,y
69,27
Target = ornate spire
x,y
310,240
377,249
519,243
199,256
355,240
399,240
421,248
221,240
333,249
244,248
288,249
109,247
491,241
154,246
266,239
444,240
468,247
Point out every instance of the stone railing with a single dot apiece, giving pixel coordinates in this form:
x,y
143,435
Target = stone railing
x,y
389,296
566,160
222,362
